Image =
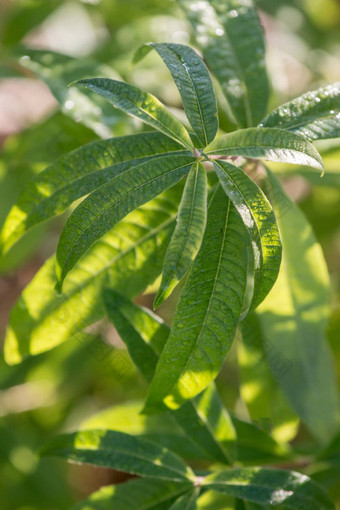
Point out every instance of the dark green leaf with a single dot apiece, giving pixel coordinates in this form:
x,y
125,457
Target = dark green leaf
x,y
314,115
139,104
186,502
194,84
208,311
231,37
187,237
270,144
110,203
116,450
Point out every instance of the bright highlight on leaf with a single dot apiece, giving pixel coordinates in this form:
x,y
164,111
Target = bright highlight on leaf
x,y
187,237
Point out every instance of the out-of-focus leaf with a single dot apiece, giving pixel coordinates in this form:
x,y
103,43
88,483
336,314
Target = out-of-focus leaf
x,y
116,450
231,38
270,144
315,114
186,502
295,314
139,104
194,84
259,219
208,311
272,487
187,237
128,258
134,495
111,202
76,174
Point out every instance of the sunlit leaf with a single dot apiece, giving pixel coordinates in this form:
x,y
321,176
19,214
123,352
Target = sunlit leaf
x,y
111,202
208,311
116,450
139,104
231,38
76,174
259,219
187,237
268,143
273,487
314,115
194,84
128,258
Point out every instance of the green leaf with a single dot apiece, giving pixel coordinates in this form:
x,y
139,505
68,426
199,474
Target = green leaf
x,y
204,419
208,311
187,237
296,314
74,175
259,219
186,502
194,85
139,494
110,203
231,38
128,258
139,104
315,114
275,487
116,450
270,144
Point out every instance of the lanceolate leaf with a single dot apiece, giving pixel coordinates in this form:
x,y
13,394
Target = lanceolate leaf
x,y
186,502
139,494
296,314
76,174
204,418
139,104
128,258
270,144
116,450
187,237
314,115
274,487
231,37
106,206
259,219
208,311
194,84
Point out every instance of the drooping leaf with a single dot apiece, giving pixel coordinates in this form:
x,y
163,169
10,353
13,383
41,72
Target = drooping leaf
x,y
116,450
194,84
208,311
76,174
139,104
231,38
268,143
315,114
111,202
295,314
187,237
139,494
274,487
128,259
259,219
204,419
186,502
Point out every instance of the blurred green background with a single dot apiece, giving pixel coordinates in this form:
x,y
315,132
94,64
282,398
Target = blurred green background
x,y
55,392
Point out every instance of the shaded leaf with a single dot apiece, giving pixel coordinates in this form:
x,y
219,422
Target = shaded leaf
x,y
270,144
259,219
275,487
194,85
231,38
111,202
116,450
186,502
139,104
315,114
208,311
76,174
187,237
